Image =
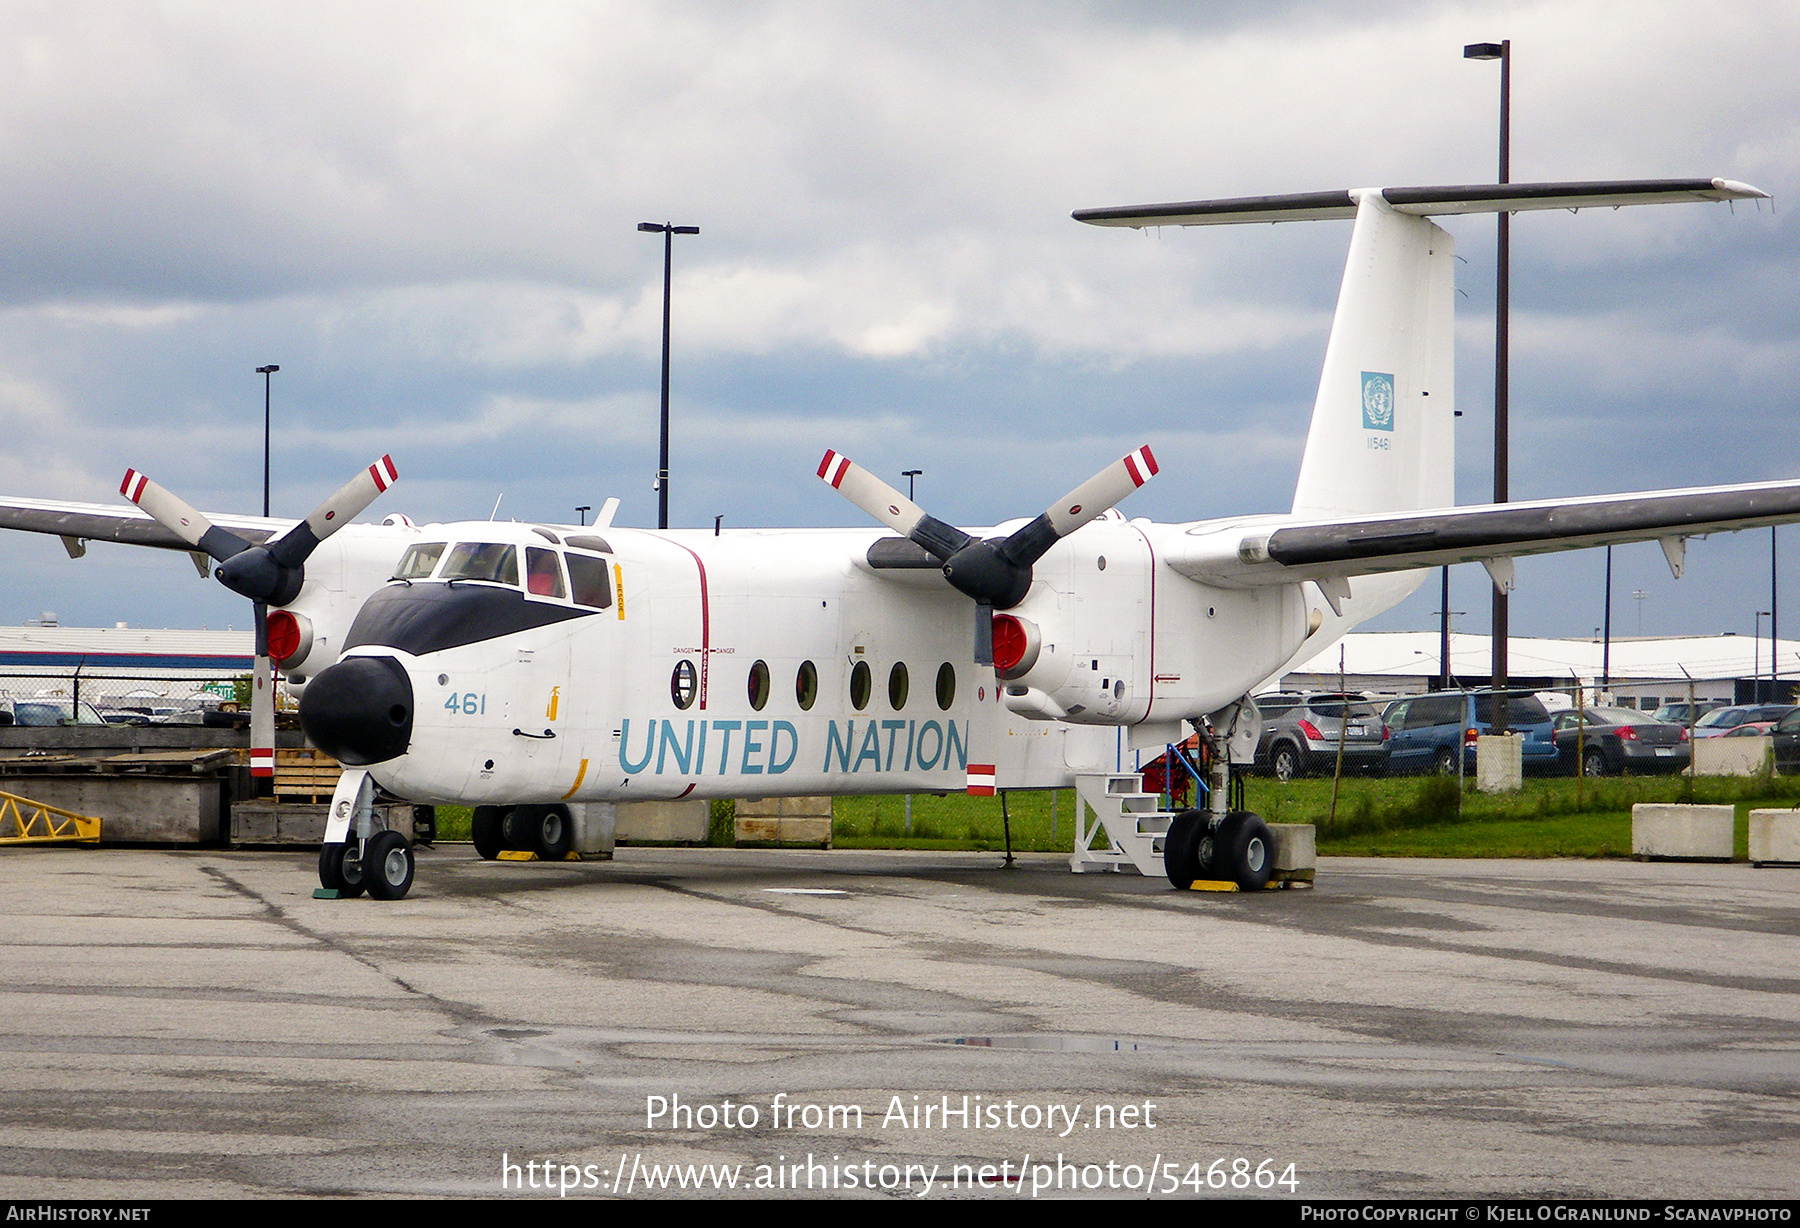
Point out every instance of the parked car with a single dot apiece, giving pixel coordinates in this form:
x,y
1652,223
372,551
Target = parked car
x,y
1785,737
1302,733
41,713
1680,714
1608,741
1722,721
1427,732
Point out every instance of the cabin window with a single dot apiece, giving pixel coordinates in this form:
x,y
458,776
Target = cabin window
x,y
546,534
588,541
589,581
860,686
946,686
806,685
492,561
897,686
683,685
418,561
759,685
543,574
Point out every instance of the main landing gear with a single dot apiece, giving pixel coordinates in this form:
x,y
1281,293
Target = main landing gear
x,y
1221,843
548,831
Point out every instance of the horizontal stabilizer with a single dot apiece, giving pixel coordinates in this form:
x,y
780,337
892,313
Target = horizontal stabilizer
x,y
1276,553
1425,202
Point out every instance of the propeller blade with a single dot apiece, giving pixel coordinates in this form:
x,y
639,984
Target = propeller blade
x,y
174,514
1088,501
889,506
293,547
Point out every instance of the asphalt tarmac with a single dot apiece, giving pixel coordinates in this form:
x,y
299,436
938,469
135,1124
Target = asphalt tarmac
x,y
180,1024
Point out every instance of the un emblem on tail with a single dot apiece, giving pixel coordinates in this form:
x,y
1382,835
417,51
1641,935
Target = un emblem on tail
x,y
1377,401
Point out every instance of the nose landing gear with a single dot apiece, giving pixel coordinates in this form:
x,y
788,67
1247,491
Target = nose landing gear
x,y
356,856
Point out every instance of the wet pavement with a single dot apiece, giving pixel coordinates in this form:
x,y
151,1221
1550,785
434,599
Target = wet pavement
x,y
194,1024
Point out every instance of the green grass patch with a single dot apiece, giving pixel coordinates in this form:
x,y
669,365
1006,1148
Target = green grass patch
x,y
1401,817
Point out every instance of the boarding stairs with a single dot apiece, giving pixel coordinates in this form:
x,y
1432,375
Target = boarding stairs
x,y
1132,821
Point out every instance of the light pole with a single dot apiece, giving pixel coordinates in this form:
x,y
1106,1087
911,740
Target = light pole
x,y
1501,51
582,512
1606,646
266,372
668,232
1756,691
909,475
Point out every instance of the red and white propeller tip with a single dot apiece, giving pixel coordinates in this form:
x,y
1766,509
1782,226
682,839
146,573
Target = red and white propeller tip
x,y
870,493
1102,491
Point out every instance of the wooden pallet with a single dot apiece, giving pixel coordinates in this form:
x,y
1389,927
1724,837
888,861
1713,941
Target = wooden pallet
x,y
305,775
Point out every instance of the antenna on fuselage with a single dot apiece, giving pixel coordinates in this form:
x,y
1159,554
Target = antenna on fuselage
x,y
496,510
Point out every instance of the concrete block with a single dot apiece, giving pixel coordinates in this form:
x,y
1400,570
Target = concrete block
x,y
1296,850
1775,836
1689,833
1731,756
662,822
1499,763
596,826
134,809
784,807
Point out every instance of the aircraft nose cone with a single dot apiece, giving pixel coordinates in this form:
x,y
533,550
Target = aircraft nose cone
x,y
359,711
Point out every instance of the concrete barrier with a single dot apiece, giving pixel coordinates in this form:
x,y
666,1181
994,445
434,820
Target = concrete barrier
x,y
1731,756
1499,763
683,822
1296,852
596,828
1685,833
1775,837
784,820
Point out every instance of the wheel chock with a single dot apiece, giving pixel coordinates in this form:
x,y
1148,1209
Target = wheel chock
x,y
1207,884
326,893
527,855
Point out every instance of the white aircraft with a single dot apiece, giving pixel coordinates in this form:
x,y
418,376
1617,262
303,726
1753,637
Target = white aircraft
x,y
522,668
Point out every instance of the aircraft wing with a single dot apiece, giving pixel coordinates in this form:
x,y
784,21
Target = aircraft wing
x,y
77,523
1277,550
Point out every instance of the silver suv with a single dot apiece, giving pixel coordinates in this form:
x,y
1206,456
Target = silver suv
x,y
1302,733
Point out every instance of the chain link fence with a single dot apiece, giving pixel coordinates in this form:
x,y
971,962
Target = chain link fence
x,y
104,696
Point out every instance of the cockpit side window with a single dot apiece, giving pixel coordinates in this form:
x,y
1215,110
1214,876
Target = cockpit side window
x,y
418,561
493,561
543,574
593,587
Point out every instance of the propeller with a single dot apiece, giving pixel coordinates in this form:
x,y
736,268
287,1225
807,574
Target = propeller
x,y
270,573
995,572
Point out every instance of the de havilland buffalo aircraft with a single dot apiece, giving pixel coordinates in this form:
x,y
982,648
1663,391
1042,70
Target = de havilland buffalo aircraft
x,y
526,668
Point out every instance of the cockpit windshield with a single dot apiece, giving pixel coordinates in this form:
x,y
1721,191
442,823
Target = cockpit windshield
x,y
492,561
418,561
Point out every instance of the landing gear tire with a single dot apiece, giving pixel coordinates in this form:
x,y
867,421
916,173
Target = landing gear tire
x,y
341,871
555,833
1244,851
1446,763
1181,848
388,864
485,831
1284,763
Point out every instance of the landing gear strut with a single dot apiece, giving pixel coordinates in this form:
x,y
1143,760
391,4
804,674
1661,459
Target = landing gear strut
x,y
1221,843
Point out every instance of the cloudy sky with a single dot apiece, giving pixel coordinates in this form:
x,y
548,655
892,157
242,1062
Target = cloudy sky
x,y
425,213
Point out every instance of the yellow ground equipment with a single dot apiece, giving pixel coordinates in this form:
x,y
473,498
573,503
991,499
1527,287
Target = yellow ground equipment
x,y
23,821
